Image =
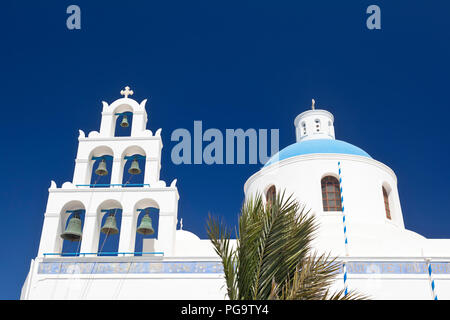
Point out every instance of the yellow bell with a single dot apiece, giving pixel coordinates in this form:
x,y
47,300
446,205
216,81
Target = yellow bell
x,y
124,122
101,169
134,168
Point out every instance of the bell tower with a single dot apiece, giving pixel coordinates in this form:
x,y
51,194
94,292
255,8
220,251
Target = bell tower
x,y
113,175
314,124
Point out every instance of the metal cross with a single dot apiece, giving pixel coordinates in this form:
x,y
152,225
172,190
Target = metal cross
x,y
127,92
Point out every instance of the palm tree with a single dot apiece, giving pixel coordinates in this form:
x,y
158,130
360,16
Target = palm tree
x,y
272,258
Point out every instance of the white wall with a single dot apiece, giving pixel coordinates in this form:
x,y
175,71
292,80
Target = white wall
x,y
111,286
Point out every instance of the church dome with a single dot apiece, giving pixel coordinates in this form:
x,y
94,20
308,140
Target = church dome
x,y
316,147
183,235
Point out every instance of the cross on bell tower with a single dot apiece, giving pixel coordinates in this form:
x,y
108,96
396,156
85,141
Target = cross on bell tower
x,y
127,92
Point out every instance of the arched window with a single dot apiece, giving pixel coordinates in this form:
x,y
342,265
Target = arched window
x,y
331,194
271,195
386,204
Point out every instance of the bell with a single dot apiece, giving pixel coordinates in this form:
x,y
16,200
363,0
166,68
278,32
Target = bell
x,y
145,227
73,230
134,168
124,122
101,169
110,226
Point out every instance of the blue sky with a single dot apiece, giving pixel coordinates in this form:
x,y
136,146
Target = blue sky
x,y
243,64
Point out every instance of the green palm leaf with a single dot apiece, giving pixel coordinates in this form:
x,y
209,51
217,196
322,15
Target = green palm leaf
x,y
272,258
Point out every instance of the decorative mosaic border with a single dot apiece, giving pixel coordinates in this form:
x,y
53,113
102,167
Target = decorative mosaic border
x,y
212,267
395,267
129,267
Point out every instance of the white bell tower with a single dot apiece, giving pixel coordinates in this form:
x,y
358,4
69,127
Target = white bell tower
x,y
94,200
116,192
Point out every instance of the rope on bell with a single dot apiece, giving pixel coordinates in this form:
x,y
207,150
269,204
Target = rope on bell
x,y
121,281
60,267
73,271
90,279
87,285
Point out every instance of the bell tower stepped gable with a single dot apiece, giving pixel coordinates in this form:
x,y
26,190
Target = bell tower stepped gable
x,y
112,174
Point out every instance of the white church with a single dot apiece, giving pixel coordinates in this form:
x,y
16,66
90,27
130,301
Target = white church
x,y
353,196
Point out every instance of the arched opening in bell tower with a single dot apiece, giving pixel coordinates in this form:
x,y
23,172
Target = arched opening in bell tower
x,y
147,223
101,175
123,124
133,167
109,216
71,228
100,168
123,120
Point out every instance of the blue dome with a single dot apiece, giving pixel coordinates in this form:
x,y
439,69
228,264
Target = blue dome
x,y
317,146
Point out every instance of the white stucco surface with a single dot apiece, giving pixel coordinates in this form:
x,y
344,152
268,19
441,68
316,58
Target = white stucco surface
x,y
383,259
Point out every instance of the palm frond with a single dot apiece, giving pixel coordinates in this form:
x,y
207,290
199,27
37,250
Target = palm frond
x,y
283,242
273,258
351,295
220,238
313,276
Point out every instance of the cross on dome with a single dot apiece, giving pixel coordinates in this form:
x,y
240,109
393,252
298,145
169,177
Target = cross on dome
x,y
127,92
313,104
